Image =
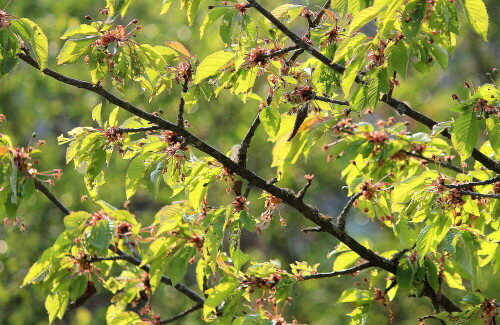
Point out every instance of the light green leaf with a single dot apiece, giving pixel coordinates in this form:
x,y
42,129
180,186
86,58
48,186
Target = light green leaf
x,y
476,14
217,295
464,134
56,305
226,26
73,50
494,135
80,31
404,275
178,263
271,119
75,220
212,64
212,16
96,114
38,41
165,6
192,7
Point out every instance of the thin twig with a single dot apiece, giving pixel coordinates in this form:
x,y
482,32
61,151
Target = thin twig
x,y
491,196
122,255
137,130
312,229
343,272
341,221
182,314
283,51
303,191
429,160
401,107
478,183
241,157
320,14
182,103
330,100
131,247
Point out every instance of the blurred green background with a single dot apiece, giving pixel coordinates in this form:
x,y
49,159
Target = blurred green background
x,y
33,103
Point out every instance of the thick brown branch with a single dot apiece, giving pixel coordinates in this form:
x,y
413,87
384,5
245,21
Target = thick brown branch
x,y
309,212
337,273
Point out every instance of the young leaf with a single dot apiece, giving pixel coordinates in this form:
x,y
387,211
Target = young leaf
x,y
476,14
464,134
270,118
212,16
179,48
165,6
212,64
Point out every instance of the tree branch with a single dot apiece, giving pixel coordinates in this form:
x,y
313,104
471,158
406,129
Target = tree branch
x,y
404,109
398,105
429,160
137,130
330,100
308,211
39,186
343,272
182,314
341,221
492,196
182,103
478,183
122,255
241,158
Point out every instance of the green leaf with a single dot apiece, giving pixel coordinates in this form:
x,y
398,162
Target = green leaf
x,y
192,7
217,295
178,263
466,256
165,6
74,50
271,119
494,135
78,287
399,57
96,114
464,134
441,55
412,18
74,220
212,16
80,31
102,234
37,40
403,191
350,74
212,64
476,14
363,17
405,274
432,235
246,80
56,305
226,26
